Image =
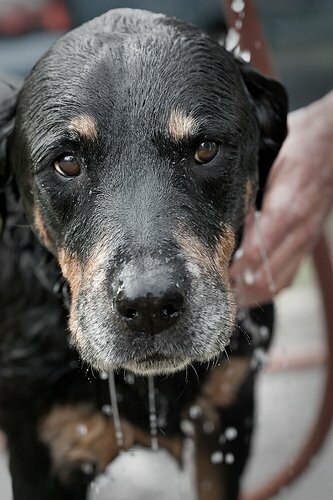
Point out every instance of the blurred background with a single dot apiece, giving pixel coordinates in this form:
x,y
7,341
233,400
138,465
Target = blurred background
x,y
300,35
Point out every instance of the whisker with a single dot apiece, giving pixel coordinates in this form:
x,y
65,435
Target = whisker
x,y
195,371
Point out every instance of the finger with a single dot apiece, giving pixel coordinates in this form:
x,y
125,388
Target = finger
x,y
249,256
283,262
260,292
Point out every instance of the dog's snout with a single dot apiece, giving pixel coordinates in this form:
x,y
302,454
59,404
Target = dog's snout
x,y
150,305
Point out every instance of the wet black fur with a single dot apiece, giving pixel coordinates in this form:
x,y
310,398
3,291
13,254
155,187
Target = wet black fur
x,y
178,68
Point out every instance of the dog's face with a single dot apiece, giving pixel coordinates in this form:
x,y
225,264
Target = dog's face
x,y
135,150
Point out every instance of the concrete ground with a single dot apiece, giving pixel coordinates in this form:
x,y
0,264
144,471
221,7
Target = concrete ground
x,y
288,401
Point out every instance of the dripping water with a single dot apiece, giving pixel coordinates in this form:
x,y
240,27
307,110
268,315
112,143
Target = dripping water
x,y
233,37
115,411
152,413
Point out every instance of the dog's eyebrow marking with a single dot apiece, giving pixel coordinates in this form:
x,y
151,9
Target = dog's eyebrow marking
x,y
85,126
181,125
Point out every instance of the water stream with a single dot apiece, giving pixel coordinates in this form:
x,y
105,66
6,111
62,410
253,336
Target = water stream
x,y
152,414
115,411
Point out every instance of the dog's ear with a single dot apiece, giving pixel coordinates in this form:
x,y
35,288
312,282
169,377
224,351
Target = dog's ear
x,y
270,104
8,97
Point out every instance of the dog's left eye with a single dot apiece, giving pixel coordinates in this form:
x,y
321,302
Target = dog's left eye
x,y
67,166
206,152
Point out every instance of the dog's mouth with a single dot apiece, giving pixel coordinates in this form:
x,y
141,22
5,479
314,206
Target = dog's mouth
x,y
157,364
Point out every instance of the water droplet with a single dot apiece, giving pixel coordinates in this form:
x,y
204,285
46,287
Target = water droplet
x,y
82,429
208,427
261,355
107,410
129,378
238,6
152,414
103,375
187,427
245,55
115,410
231,433
263,330
87,468
238,25
222,439
232,39
229,458
195,412
216,457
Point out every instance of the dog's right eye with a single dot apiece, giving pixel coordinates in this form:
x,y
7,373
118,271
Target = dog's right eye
x,y
206,152
67,166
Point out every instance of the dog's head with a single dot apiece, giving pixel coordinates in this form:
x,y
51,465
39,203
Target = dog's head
x,y
137,148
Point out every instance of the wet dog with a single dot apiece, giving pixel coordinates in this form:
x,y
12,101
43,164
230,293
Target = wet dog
x,y
130,158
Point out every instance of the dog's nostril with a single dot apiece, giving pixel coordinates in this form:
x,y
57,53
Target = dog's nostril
x,y
169,310
174,307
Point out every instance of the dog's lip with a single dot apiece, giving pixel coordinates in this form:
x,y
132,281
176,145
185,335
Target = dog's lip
x,y
154,357
156,364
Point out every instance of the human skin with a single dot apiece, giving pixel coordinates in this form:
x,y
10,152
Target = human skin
x,y
297,201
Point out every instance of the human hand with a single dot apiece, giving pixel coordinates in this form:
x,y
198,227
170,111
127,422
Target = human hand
x,y
297,200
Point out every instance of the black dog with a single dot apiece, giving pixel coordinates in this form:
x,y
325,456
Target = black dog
x,y
130,158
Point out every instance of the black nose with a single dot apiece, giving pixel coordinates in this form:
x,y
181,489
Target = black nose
x,y
150,306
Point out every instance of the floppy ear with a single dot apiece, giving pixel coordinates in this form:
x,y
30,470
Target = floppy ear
x,y
8,97
270,104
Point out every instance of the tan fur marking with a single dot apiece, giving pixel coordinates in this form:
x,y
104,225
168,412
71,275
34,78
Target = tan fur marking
x,y
223,251
72,270
224,383
96,444
79,434
77,274
41,229
85,126
181,125
196,251
215,262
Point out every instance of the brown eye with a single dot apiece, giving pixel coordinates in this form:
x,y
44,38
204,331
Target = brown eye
x,y
67,166
206,152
